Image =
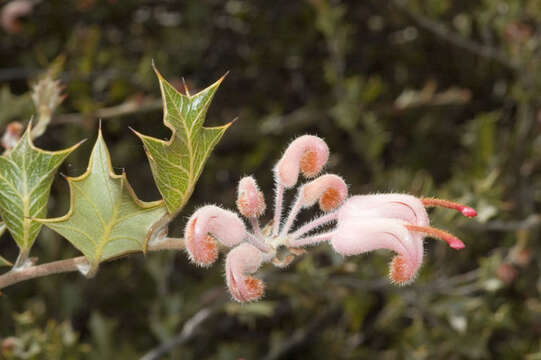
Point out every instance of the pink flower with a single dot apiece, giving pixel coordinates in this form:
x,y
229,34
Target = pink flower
x,y
397,222
242,260
207,224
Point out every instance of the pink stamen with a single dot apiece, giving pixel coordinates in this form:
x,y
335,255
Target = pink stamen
x,y
451,240
465,210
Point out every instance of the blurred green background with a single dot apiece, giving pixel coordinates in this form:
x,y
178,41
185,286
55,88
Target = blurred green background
x,y
430,97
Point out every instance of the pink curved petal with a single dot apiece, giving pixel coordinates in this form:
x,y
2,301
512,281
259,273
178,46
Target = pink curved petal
x,y
403,207
368,234
250,200
396,206
331,190
243,260
307,154
224,226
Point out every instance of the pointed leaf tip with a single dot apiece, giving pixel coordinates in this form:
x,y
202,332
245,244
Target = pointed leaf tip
x,y
176,164
4,262
26,176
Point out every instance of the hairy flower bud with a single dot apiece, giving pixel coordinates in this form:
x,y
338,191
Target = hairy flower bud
x,y
307,154
11,14
243,260
250,200
331,190
207,224
11,135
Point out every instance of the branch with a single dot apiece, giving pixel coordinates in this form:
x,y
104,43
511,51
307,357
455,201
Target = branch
x,y
188,330
300,336
127,108
15,276
455,38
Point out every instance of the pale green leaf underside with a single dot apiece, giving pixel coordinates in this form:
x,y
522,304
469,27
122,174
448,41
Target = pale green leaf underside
x,y
106,219
176,164
26,175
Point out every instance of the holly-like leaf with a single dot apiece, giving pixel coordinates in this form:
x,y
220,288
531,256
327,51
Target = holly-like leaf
x,y
26,175
176,164
105,219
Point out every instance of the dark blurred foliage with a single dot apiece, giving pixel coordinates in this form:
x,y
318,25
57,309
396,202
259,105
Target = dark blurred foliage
x,y
431,97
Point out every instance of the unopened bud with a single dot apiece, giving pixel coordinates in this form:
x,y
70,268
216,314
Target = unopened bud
x,y
243,260
331,190
12,135
208,224
250,200
11,14
307,154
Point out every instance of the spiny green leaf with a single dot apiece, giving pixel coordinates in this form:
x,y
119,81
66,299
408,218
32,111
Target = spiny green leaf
x,y
176,164
105,219
26,175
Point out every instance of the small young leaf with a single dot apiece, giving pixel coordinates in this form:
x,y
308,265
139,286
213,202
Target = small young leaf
x,y
176,164
105,219
4,262
26,175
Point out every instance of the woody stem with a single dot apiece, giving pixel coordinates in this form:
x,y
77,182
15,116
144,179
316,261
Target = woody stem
x,y
69,265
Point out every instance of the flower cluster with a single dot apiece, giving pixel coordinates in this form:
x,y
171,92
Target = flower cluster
x,y
398,222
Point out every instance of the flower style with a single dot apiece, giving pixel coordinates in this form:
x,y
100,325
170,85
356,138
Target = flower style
x,y
398,222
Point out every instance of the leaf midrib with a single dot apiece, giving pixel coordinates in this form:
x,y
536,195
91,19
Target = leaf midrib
x,y
191,176
116,204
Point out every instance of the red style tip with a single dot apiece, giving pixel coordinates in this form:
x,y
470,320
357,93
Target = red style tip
x,y
468,211
456,244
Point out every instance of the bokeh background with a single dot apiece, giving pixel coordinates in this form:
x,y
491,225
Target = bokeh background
x,y
430,97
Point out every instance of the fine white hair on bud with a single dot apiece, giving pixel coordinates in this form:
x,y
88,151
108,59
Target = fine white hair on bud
x,y
307,154
12,135
241,261
331,190
250,200
205,226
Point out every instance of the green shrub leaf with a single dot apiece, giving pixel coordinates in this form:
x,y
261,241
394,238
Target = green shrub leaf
x,y
26,175
176,164
105,219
